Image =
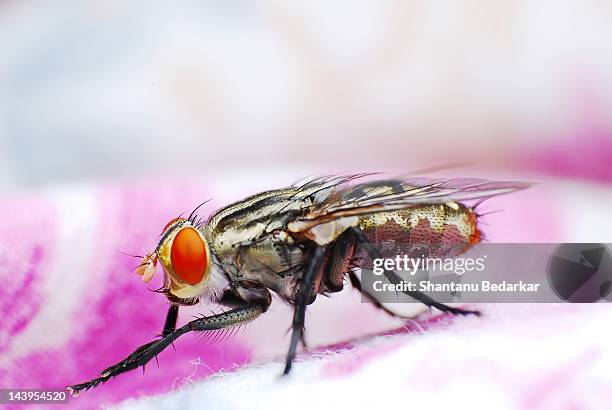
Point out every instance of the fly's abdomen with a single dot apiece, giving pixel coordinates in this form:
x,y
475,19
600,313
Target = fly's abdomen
x,y
432,230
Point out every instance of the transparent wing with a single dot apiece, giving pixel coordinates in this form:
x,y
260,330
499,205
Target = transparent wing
x,y
339,198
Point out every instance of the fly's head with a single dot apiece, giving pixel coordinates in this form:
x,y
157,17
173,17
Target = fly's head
x,y
186,260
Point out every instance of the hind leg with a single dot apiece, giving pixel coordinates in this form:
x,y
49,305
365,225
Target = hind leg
x,y
339,263
357,285
373,253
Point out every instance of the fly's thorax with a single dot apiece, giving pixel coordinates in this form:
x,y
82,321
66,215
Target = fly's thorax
x,y
253,258
326,233
226,243
275,253
248,222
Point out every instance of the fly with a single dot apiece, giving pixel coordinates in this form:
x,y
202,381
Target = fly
x,y
300,242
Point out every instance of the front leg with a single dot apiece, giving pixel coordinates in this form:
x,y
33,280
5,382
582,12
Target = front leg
x,y
301,300
145,353
171,318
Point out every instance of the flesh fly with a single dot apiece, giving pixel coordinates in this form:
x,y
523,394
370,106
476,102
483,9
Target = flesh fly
x,y
300,242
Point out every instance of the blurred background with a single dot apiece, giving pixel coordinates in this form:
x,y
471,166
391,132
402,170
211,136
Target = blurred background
x,y
116,116
103,90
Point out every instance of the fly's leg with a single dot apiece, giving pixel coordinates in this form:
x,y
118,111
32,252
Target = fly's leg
x,y
341,255
302,299
357,285
171,318
373,253
145,353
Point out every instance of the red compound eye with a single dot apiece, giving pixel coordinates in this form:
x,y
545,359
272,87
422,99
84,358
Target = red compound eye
x,y
188,256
